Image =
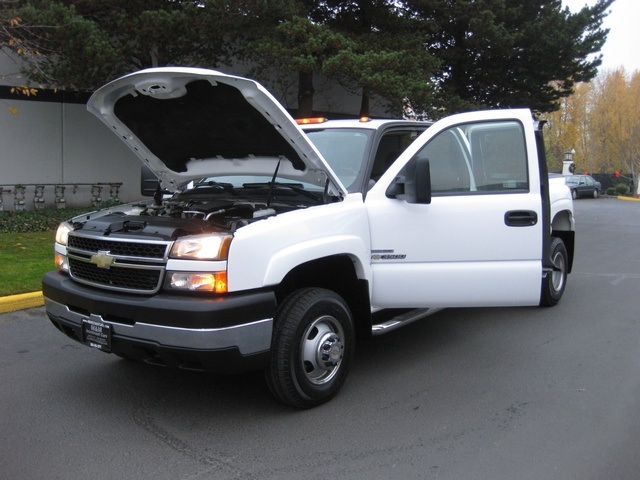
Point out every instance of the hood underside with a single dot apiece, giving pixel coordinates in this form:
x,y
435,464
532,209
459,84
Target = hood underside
x,y
187,124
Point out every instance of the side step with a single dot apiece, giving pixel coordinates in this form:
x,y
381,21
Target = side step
x,y
400,320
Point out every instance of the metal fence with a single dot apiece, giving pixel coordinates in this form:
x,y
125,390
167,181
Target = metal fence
x,y
33,195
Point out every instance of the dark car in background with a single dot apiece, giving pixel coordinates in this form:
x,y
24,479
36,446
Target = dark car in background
x,y
583,186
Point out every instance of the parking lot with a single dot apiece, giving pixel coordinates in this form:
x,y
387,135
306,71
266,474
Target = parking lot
x,y
517,393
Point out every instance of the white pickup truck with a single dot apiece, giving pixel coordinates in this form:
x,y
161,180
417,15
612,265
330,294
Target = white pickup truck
x,y
282,244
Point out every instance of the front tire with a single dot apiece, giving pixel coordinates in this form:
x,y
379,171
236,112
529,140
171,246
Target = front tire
x,y
311,349
554,283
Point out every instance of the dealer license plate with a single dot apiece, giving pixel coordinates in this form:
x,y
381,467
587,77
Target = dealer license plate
x,y
96,334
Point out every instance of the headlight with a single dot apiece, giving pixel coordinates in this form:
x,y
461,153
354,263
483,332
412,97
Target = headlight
x,y
202,247
198,281
62,234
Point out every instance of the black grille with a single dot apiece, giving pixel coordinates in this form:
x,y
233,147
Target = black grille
x,y
127,249
116,277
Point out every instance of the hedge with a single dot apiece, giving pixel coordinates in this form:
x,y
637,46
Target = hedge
x,y
36,220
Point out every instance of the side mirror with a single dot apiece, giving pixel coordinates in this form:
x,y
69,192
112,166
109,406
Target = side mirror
x,y
415,184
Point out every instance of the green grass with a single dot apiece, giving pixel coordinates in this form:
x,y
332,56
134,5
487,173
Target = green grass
x,y
24,259
26,246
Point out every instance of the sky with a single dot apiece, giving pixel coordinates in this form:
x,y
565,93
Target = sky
x,y
622,48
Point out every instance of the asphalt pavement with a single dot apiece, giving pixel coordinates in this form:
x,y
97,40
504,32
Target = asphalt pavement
x,y
483,394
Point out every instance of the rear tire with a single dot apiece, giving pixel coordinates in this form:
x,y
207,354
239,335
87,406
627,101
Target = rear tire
x,y
554,283
311,348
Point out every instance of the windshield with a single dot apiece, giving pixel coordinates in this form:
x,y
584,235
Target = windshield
x,y
344,150
573,179
269,190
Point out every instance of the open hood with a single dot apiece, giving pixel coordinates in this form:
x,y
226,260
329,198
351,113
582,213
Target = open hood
x,y
191,123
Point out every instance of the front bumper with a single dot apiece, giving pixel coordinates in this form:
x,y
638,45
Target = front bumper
x,y
228,334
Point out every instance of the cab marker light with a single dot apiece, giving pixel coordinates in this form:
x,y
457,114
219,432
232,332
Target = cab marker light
x,y
309,121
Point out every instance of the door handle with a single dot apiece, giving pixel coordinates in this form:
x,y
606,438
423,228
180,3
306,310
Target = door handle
x,y
520,218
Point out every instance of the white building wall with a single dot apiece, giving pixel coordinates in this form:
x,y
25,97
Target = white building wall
x,y
51,143
93,152
31,143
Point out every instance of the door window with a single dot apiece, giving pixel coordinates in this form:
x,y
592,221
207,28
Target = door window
x,y
487,157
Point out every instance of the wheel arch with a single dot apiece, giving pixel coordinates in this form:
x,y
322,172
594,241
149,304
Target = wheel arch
x,y
338,273
563,227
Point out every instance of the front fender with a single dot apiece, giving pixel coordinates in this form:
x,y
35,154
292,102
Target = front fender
x,y
289,258
261,254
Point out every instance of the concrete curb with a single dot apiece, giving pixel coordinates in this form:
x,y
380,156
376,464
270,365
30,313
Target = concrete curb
x,y
629,199
13,303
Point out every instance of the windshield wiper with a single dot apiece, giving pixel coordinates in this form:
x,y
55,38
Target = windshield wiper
x,y
296,187
212,183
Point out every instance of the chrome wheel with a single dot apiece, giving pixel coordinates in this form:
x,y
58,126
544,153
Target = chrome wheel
x,y
322,350
559,274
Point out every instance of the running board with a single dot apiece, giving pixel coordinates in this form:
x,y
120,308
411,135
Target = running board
x,y
401,320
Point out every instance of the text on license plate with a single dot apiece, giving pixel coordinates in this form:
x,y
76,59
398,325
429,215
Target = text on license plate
x,y
96,334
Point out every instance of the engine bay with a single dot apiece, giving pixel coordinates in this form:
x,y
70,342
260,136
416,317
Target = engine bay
x,y
196,211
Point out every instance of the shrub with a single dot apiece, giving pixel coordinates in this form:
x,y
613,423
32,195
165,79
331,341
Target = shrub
x,y
622,189
36,220
23,221
611,191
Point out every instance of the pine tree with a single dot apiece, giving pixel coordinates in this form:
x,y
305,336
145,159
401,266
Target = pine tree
x,y
511,53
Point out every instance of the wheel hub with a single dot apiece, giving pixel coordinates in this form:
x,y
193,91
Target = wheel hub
x,y
330,350
322,350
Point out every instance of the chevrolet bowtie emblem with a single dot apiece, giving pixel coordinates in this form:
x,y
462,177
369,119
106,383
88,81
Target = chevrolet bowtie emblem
x,y
102,259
